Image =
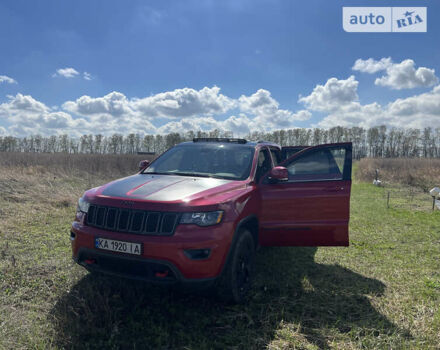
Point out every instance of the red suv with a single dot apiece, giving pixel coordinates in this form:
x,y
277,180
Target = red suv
x,y
196,214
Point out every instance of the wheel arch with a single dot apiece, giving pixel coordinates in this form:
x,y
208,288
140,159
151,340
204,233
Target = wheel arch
x,y
250,222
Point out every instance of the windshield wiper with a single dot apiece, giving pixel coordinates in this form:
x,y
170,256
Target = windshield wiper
x,y
188,174
192,174
155,173
176,173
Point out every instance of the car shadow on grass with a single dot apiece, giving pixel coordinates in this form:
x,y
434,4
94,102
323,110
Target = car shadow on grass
x,y
294,301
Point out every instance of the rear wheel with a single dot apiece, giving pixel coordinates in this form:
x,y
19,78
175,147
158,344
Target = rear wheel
x,y
237,276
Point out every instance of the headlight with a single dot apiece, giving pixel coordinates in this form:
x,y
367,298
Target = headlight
x,y
83,205
203,218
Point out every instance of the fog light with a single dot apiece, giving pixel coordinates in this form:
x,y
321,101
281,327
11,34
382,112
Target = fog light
x,y
197,254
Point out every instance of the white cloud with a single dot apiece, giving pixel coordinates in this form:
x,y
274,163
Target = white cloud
x,y
421,106
206,109
113,104
6,79
24,103
25,116
417,111
331,96
67,72
239,125
192,109
371,65
87,76
405,76
398,76
339,99
184,102
267,113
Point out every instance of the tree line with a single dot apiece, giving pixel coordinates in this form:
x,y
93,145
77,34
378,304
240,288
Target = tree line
x,y
373,142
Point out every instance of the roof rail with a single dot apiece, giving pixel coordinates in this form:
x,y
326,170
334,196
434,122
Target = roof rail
x,y
218,139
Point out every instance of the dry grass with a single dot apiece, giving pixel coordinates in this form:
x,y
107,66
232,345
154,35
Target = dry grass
x,y
59,178
72,164
421,173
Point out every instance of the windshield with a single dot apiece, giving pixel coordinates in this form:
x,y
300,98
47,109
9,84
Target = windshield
x,y
219,160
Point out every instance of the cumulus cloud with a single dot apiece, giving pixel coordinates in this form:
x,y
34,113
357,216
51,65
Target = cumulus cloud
x,y
179,110
371,65
184,102
398,76
267,112
339,100
114,104
331,96
191,110
239,125
6,79
417,111
405,76
67,72
206,109
25,116
24,103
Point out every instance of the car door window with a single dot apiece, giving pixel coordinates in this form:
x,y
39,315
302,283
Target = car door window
x,y
321,164
289,151
276,156
264,164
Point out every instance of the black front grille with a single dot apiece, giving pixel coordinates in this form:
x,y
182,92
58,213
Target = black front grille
x,y
131,220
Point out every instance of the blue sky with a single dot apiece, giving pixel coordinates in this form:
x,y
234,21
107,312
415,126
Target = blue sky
x,y
143,48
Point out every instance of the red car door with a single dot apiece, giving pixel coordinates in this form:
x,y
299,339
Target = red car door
x,y
312,207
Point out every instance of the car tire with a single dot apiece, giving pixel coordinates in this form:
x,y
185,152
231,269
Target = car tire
x,y
236,279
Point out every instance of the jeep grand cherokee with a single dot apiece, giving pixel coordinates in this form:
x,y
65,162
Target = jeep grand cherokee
x,y
196,214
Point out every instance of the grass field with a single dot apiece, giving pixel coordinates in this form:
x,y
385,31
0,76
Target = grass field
x,y
383,292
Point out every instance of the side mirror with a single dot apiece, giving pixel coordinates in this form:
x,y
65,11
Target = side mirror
x,y
143,164
278,174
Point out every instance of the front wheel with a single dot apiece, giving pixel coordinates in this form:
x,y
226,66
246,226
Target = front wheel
x,y
237,276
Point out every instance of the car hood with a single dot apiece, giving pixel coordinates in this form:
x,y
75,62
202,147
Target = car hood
x,y
166,188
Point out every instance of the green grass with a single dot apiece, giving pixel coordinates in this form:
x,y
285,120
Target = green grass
x,y
382,292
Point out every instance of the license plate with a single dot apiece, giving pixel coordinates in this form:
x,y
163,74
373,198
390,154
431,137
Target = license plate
x,y
118,246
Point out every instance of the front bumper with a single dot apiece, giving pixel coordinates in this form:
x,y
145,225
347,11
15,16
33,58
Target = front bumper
x,y
153,271
163,258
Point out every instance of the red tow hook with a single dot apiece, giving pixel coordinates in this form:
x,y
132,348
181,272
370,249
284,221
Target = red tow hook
x,y
161,274
90,261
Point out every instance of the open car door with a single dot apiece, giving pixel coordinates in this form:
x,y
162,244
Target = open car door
x,y
312,207
289,151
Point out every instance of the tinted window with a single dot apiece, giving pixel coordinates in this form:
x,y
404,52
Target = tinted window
x,y
221,160
318,165
289,151
276,156
264,164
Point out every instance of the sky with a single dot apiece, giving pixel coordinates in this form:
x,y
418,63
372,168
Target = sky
x,y
104,67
